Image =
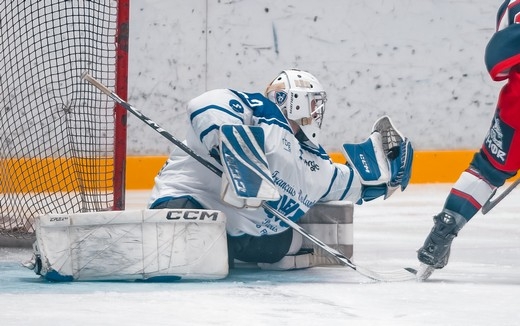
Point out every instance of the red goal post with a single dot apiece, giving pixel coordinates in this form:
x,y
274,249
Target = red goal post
x,y
62,143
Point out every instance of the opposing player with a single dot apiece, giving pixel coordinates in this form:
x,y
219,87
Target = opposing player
x,y
269,150
499,157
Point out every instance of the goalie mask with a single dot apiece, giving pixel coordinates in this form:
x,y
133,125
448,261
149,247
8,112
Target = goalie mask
x,y
302,98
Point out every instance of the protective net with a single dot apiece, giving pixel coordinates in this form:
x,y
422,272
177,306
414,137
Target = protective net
x,y
57,132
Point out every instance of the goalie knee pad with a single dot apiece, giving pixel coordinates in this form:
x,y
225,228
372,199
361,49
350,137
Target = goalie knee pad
x,y
264,249
176,202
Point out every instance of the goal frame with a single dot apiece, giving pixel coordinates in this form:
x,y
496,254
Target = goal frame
x,y
120,137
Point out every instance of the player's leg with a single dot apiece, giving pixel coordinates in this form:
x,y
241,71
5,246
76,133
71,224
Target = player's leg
x,y
497,161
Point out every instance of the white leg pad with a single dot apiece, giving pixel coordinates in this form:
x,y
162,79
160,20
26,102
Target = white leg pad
x,y
132,245
330,222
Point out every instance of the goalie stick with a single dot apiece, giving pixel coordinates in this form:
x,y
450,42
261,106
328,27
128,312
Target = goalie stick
x,y
489,204
405,274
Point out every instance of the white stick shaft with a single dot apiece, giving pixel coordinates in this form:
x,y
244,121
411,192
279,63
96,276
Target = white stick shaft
x,y
100,86
489,204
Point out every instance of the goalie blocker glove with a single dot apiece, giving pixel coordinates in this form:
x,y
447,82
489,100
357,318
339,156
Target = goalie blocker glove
x,y
383,162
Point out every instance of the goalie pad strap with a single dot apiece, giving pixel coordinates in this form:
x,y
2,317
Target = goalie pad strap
x,y
300,260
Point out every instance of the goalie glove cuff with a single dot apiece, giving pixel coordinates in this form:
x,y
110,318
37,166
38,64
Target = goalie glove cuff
x,y
401,166
369,161
369,193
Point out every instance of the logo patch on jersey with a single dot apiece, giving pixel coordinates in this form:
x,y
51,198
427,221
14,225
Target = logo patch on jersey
x,y
286,144
236,106
280,97
313,166
498,140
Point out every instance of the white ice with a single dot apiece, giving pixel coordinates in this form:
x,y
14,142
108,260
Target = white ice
x,y
479,286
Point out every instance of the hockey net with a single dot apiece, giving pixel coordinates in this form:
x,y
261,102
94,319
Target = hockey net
x,y
62,143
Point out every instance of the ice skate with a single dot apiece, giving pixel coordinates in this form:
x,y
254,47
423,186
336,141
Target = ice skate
x,y
435,252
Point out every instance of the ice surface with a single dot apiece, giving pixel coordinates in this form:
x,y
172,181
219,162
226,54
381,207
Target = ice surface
x,y
480,285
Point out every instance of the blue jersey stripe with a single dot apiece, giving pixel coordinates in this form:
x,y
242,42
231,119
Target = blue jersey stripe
x,y
213,126
331,182
276,122
320,152
218,108
207,131
349,183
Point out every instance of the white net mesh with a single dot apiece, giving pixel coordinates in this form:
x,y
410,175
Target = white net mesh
x,y
56,131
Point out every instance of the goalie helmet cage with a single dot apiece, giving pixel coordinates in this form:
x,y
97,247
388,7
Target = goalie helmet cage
x,y
62,142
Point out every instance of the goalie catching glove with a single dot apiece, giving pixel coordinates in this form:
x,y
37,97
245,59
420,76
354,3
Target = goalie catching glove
x,y
246,181
383,162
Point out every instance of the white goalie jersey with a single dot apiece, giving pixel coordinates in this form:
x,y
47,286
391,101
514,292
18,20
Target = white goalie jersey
x,y
303,174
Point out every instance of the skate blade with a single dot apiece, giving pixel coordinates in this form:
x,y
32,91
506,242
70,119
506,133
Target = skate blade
x,y
423,272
